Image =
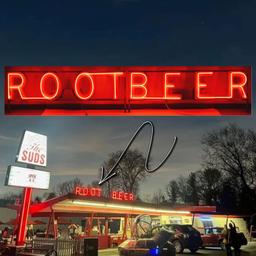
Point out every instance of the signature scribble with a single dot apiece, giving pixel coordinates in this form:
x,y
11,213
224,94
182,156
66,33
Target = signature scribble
x,y
112,172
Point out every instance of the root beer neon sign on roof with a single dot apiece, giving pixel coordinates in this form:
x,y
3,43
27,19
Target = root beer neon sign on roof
x,y
97,192
128,90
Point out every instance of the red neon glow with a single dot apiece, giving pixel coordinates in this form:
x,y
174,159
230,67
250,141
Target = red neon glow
x,y
11,85
201,85
88,191
138,85
97,192
167,87
122,196
115,82
240,86
44,79
232,85
78,91
128,90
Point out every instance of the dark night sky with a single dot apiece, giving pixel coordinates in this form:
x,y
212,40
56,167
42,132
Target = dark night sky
x,y
121,32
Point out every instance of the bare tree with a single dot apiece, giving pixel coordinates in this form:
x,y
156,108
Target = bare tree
x,y
183,189
193,188
131,172
94,184
210,182
158,197
12,197
172,190
233,150
38,199
49,195
68,186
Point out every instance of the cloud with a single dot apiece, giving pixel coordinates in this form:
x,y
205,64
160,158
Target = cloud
x,y
2,137
7,139
75,172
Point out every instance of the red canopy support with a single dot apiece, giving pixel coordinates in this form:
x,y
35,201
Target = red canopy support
x,y
52,225
89,223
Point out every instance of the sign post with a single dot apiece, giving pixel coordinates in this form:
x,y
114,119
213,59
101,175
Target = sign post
x,y
32,152
23,216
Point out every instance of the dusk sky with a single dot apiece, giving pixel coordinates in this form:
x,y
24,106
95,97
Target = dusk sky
x,y
112,33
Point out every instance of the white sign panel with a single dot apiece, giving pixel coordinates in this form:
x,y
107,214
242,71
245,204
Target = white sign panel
x,y
33,149
25,177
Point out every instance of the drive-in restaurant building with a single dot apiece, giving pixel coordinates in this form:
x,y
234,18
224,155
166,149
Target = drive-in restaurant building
x,y
110,219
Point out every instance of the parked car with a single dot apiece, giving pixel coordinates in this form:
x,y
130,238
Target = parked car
x,y
184,237
157,245
213,237
144,243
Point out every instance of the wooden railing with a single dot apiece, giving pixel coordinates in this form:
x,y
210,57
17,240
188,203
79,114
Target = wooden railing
x,y
63,247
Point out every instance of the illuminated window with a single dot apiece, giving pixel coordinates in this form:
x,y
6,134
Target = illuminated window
x,y
207,222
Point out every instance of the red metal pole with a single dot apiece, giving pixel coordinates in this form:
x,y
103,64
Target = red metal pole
x,y
49,224
91,224
55,226
20,241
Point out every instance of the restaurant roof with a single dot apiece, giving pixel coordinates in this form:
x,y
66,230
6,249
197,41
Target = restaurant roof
x,y
75,205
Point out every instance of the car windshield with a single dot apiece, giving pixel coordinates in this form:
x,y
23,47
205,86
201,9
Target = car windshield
x,y
182,228
214,231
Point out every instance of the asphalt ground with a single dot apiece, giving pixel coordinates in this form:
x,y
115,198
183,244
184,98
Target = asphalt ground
x,y
114,252
248,250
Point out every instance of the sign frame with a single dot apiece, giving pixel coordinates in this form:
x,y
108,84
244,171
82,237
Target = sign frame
x,y
18,156
60,90
11,168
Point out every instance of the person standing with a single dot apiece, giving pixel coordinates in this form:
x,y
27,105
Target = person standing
x,y
226,240
234,239
5,233
30,232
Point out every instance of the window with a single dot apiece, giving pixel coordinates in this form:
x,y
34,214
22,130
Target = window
x,y
207,223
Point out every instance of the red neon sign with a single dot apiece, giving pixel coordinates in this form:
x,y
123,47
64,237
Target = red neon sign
x,y
128,90
122,196
97,192
88,191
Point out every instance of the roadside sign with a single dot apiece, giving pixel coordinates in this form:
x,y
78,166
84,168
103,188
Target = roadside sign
x,y
29,178
33,149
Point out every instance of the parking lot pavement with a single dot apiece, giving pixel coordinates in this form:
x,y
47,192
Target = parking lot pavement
x,y
246,251
114,252
108,252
